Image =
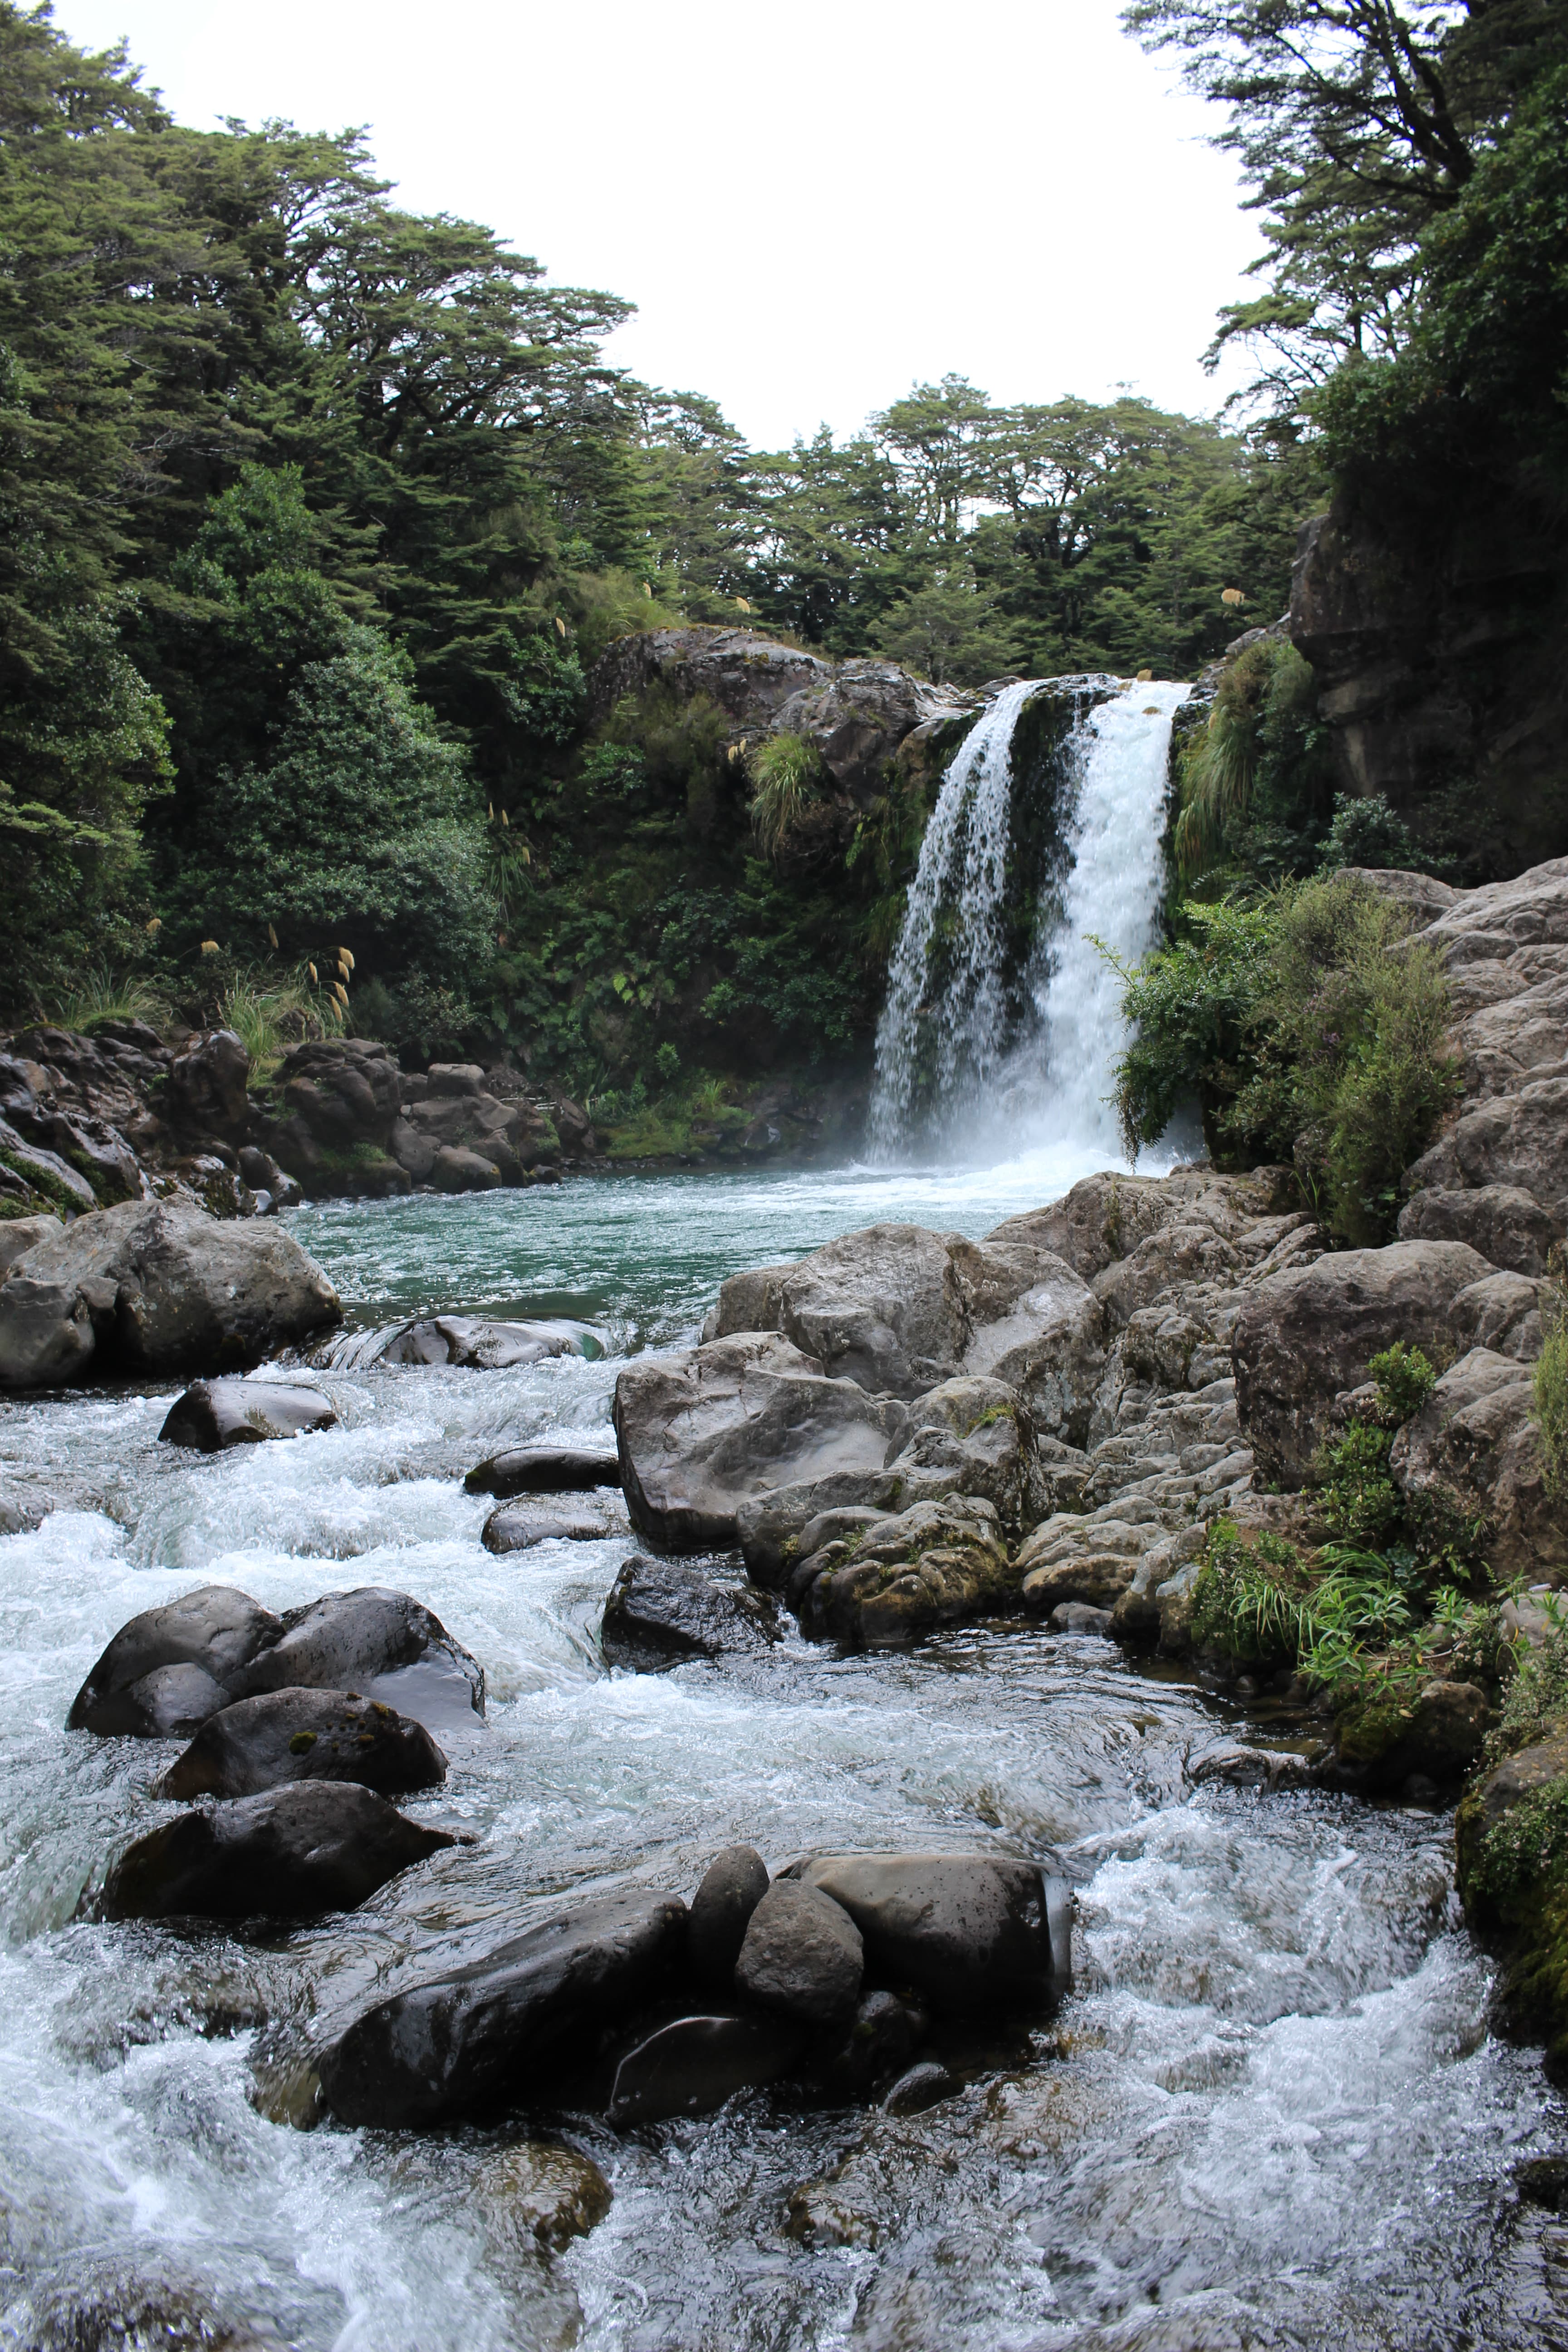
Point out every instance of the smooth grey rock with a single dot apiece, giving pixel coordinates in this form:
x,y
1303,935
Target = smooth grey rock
x,y
19,1235
1499,1221
1502,1313
381,1643
214,1415
704,1430
497,2032
545,1470
1303,1337
158,1287
479,1346
167,1670
692,2065
972,1436
733,1883
802,1955
305,1735
1080,1617
455,1168
292,1853
517,1526
659,1613
970,1932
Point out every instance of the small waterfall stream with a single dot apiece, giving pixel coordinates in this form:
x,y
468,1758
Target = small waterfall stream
x,y
984,1047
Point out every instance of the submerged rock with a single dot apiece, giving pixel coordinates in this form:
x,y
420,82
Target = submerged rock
x,y
659,1613
305,1735
213,1415
544,2191
802,1955
506,2028
166,1671
694,2063
733,1883
703,1430
155,1287
291,1853
544,1470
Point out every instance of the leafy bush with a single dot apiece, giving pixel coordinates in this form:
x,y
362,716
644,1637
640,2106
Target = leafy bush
x,y
1254,785
788,776
1367,831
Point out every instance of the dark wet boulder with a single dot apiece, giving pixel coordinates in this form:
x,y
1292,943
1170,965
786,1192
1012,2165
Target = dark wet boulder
x,y
381,1643
733,1883
291,1853
117,2302
213,1415
479,1346
456,1169
924,2085
1080,1617
969,1932
208,1081
305,1735
509,2027
517,1526
1437,1733
703,1430
875,2044
545,1470
802,1955
659,1613
694,2063
156,1287
170,1668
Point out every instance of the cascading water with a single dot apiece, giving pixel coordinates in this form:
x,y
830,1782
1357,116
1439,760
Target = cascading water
x,y
982,1044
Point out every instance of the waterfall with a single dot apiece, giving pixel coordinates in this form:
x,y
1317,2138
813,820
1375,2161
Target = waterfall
x,y
1002,1020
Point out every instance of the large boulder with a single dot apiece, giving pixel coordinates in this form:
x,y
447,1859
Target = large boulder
x,y
341,1091
380,1643
705,1429
860,716
1303,1337
660,1613
517,1526
544,1470
305,1735
802,1956
509,2025
1520,1140
292,1853
1476,1444
1499,1221
972,1436
156,1288
208,1082
166,1671
969,1931
904,1575
750,678
214,1415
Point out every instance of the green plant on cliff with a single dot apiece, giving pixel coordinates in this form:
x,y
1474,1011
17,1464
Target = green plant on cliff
x,y
788,776
1552,1382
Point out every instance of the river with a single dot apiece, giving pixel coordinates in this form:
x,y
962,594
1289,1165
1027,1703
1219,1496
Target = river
x,y
1271,2113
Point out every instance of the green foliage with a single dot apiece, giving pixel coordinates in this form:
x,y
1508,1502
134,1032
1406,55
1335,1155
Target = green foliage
x,y
1524,1851
1254,786
1405,1378
98,997
1366,832
787,778
1552,1380
1307,1033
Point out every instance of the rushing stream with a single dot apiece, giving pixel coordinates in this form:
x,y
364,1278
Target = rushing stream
x,y
1270,2113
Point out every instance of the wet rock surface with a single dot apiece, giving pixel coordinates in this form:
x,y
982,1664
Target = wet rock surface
x,y
291,1853
383,1643
170,1668
517,1526
900,1575
693,2064
305,1735
544,1470
660,1612
966,1931
214,1415
802,1955
733,1885
479,1345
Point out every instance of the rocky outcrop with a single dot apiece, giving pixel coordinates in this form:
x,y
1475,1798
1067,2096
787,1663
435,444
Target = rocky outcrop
x,y
290,1854
903,1574
1474,1444
305,1735
1436,630
157,1287
703,1430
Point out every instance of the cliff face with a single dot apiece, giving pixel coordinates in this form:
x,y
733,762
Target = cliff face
x,y
1438,631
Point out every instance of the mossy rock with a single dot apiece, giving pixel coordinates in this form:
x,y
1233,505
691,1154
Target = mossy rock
x,y
1437,1731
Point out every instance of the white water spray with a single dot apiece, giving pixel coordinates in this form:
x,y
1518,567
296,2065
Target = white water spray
x,y
959,1067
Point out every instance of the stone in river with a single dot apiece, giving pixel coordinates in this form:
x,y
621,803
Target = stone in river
x,y
545,1470
802,1955
382,1643
213,1415
542,2190
733,1883
968,1931
291,1853
693,2064
882,2034
517,1527
923,2086
481,1345
305,1735
659,1613
1079,1617
508,2026
168,1669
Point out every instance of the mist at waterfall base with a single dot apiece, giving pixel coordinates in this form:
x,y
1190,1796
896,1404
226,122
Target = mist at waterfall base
x,y
993,1052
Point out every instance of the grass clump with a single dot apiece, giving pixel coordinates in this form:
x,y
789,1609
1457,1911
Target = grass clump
x,y
787,777
100,998
1552,1382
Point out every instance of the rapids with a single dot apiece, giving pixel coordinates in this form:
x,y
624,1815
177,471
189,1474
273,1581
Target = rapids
x,y
1270,2113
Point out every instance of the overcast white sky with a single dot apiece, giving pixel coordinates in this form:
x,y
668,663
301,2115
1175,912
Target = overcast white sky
x,y
813,207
